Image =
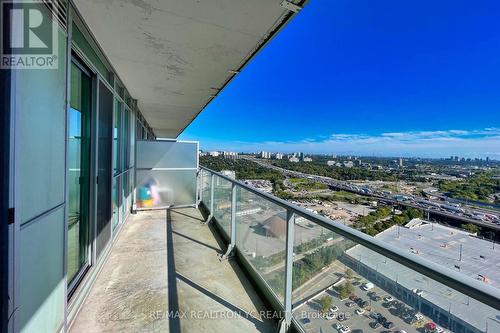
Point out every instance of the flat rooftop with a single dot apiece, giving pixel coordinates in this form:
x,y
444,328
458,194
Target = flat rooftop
x,y
426,241
479,259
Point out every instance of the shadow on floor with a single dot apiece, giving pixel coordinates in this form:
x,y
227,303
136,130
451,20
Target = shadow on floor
x,y
174,323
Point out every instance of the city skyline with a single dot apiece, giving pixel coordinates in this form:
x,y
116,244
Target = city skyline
x,y
425,144
354,92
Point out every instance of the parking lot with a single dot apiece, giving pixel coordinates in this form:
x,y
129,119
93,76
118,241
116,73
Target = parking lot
x,y
347,316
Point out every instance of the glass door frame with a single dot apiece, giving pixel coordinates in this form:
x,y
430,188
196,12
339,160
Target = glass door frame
x,y
72,285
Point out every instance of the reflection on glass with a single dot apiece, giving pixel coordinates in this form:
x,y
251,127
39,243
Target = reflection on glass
x,y
261,237
78,172
222,203
338,282
124,191
205,188
116,215
117,137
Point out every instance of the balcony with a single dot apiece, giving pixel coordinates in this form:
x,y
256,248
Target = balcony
x,y
163,273
261,263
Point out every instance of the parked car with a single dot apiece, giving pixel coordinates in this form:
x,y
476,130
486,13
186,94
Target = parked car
x,y
374,325
388,298
330,316
337,326
334,308
376,298
388,324
306,320
359,312
345,329
350,304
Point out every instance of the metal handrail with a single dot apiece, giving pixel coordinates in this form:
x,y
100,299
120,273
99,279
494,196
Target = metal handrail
x,y
478,290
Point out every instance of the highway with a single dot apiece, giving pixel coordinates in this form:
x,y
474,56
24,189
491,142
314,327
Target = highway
x,y
463,214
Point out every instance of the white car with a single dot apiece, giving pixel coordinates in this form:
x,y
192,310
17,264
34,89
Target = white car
x,y
388,298
338,326
330,316
419,316
439,329
359,312
334,308
345,329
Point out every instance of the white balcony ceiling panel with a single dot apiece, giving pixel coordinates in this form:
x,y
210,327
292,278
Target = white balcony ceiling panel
x,y
174,55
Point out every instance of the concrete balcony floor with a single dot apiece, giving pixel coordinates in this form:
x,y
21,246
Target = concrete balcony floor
x,y
163,275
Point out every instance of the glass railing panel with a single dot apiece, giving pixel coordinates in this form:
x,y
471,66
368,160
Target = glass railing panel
x,y
222,203
260,237
341,286
205,187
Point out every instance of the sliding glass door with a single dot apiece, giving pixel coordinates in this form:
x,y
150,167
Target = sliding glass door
x,y
78,172
104,167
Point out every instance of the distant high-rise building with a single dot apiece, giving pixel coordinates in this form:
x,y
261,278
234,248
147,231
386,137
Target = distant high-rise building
x,y
293,159
487,158
278,156
265,154
214,153
230,154
400,163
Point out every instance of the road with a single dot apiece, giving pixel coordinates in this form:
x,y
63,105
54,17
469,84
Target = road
x,y
431,206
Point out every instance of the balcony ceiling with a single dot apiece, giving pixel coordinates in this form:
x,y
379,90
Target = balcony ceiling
x,y
175,55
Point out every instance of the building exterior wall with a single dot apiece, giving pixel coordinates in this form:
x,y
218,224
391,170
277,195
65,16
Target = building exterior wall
x,y
39,294
439,315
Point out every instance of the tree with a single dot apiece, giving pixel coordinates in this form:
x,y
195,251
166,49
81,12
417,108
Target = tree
x,y
345,290
349,274
326,303
472,228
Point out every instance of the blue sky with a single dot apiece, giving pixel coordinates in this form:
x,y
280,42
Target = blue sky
x,y
388,77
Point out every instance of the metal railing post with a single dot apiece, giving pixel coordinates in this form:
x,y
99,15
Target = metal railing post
x,y
232,243
212,183
290,237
